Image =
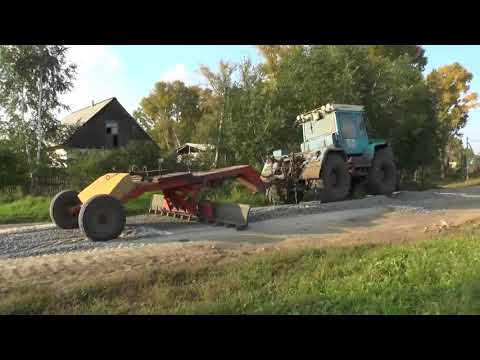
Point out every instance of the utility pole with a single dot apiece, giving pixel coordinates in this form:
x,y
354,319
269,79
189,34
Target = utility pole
x,y
466,158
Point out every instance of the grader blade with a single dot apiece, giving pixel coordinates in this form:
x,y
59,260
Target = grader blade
x,y
232,214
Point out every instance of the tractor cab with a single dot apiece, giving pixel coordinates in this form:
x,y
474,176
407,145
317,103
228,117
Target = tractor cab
x,y
336,125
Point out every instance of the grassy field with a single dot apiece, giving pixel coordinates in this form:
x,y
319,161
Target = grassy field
x,y
36,209
438,276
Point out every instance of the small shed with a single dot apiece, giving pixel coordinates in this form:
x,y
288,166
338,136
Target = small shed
x,y
192,151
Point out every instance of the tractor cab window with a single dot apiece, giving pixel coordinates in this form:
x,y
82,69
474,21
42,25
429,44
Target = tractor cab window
x,y
362,126
348,125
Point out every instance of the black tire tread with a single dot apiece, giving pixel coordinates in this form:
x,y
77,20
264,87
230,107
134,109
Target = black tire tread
x,y
383,157
58,209
340,192
114,205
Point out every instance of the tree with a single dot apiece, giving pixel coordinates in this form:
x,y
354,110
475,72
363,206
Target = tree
x,y
415,52
273,55
450,87
170,113
32,78
398,103
221,86
255,127
248,111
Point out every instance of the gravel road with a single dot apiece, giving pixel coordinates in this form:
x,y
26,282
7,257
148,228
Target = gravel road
x,y
43,239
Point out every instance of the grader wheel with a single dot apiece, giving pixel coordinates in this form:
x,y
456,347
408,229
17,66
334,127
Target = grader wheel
x,y
60,209
102,218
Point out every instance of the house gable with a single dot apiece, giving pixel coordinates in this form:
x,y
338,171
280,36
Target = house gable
x,y
107,126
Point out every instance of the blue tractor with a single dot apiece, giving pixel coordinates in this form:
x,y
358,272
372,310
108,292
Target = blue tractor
x,y
336,154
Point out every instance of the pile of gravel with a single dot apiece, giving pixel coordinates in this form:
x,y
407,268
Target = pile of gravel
x,y
313,207
420,202
414,209
47,239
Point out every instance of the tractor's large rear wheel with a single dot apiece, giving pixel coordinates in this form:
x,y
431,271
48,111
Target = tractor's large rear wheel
x,y
382,177
62,209
336,179
102,218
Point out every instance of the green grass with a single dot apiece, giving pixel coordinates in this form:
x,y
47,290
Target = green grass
x,y
27,209
139,205
439,276
36,209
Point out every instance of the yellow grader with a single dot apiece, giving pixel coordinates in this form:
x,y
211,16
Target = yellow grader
x,y
98,209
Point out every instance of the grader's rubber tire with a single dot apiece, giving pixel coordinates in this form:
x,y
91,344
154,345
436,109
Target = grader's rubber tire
x,y
102,218
336,179
382,177
59,209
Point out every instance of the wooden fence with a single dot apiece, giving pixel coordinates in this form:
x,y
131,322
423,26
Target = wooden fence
x,y
46,186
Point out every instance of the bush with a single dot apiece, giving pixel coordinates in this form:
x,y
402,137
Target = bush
x,y
13,167
232,192
14,193
96,163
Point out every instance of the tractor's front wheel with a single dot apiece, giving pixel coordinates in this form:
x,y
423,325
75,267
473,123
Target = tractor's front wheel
x,y
382,177
102,218
62,209
336,179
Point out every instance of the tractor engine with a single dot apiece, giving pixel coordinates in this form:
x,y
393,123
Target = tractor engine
x,y
281,175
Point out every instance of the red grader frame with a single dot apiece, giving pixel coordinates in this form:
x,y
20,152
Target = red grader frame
x,y
98,209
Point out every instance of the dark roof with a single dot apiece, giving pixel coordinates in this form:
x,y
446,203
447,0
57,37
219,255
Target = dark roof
x,y
80,117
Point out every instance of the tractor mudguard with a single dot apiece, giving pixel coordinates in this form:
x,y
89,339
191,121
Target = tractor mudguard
x,y
374,146
313,168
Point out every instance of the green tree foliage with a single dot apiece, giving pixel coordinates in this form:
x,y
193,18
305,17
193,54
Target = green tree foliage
x,y
242,118
95,163
415,52
397,101
13,167
221,83
255,127
450,87
170,113
248,111
273,56
32,79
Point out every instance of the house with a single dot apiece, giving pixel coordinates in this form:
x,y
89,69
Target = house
x,y
191,151
103,125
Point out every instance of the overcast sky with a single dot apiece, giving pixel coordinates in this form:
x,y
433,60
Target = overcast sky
x,y
129,72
